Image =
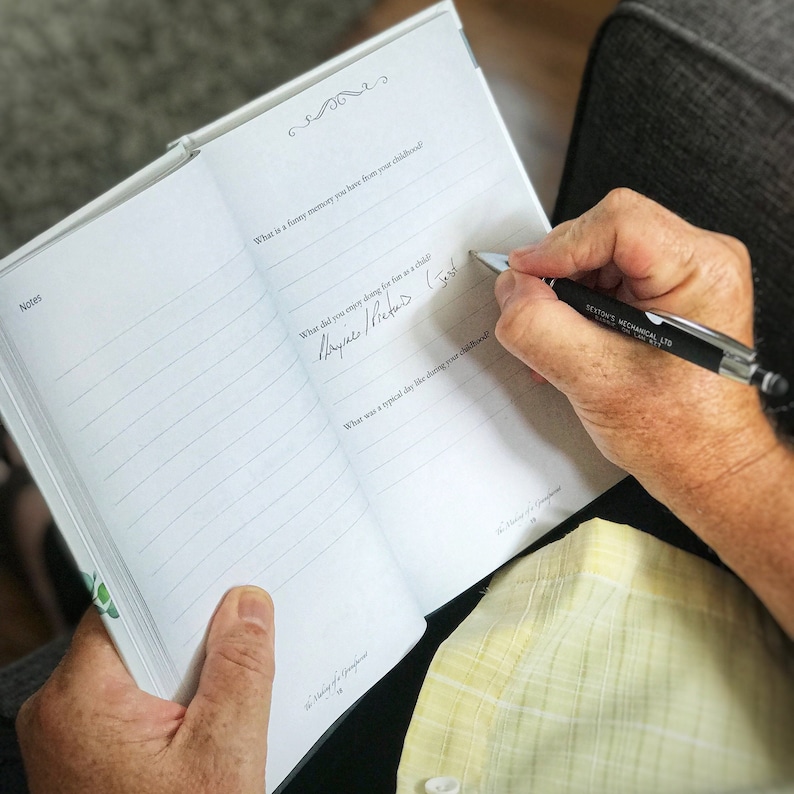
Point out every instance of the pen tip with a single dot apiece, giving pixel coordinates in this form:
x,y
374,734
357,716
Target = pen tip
x,y
496,262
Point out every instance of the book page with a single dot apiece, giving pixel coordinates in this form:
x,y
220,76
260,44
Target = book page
x,y
360,199
195,446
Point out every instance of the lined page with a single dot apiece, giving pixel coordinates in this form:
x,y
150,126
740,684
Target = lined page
x,y
387,174
158,352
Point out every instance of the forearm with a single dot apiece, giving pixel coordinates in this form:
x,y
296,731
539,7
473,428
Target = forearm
x,y
747,516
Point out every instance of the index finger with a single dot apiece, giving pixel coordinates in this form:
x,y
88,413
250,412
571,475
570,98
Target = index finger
x,y
92,649
641,249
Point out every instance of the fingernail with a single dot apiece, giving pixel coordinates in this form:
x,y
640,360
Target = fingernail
x,y
255,606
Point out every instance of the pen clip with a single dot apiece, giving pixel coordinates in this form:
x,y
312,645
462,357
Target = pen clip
x,y
728,345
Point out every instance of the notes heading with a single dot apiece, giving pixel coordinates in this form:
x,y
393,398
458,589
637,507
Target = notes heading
x,y
29,303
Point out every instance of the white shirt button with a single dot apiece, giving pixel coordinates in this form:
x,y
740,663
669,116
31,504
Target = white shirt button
x,y
442,785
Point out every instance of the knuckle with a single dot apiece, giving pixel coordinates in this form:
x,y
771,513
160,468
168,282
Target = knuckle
x,y
739,250
247,654
619,199
41,712
513,326
41,717
731,274
621,203
505,328
25,717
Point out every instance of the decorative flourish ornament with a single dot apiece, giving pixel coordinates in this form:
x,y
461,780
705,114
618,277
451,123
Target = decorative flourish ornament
x,y
337,101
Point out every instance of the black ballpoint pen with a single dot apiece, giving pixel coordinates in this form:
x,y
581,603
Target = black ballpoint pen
x,y
683,338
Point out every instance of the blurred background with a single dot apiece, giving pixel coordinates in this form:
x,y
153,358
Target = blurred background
x,y
91,92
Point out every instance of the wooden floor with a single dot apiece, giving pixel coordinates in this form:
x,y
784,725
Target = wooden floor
x,y
532,53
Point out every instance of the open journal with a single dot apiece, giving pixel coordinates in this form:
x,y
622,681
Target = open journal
x,y
268,358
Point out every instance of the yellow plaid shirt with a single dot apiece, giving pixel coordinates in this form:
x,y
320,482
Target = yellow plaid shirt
x,y
608,662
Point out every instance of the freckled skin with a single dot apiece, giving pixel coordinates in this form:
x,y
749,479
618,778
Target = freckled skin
x,y
91,729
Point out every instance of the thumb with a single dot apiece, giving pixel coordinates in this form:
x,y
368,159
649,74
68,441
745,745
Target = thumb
x,y
552,338
229,713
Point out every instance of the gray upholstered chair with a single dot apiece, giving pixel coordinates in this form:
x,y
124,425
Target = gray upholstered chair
x,y
691,102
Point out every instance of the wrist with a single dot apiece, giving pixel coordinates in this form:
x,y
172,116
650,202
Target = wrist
x,y
747,516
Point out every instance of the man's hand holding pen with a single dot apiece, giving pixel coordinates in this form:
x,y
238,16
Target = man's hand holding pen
x,y
700,444
628,395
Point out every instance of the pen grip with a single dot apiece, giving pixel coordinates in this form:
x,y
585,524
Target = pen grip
x,y
635,323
